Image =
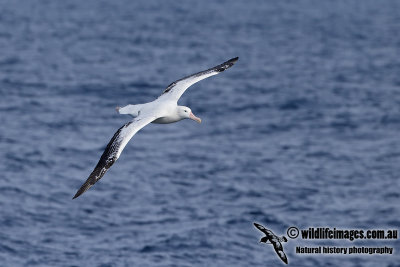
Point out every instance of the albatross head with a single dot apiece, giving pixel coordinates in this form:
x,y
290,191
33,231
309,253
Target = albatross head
x,y
186,113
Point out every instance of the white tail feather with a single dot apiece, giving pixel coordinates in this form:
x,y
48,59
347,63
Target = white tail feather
x,y
132,110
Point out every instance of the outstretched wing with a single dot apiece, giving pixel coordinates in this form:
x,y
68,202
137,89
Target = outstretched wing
x,y
113,150
281,254
264,230
177,88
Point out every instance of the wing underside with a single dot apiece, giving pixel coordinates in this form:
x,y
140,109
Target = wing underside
x,y
281,254
264,230
113,151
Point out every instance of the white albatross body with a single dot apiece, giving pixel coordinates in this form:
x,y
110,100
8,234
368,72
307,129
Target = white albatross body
x,y
164,109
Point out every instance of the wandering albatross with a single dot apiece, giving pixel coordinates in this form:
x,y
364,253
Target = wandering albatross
x,y
163,110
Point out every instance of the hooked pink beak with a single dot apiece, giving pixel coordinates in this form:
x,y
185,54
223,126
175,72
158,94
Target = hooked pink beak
x,y
193,117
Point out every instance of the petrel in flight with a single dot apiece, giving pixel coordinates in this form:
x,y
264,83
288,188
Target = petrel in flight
x,y
163,110
274,240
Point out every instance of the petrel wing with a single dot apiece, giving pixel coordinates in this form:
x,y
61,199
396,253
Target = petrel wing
x,y
266,231
281,254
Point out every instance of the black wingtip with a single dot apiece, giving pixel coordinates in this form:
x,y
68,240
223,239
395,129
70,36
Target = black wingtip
x,y
80,192
233,60
83,189
227,64
77,194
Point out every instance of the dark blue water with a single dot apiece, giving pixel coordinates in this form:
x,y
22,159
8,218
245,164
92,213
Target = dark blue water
x,y
303,130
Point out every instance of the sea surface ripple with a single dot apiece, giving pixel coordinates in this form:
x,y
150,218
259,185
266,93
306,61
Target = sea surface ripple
x,y
302,131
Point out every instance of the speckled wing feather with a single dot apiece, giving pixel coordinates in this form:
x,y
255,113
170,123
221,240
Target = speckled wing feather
x,y
113,150
267,232
274,241
281,254
177,88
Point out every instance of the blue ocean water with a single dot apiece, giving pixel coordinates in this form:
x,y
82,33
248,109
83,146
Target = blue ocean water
x,y
302,131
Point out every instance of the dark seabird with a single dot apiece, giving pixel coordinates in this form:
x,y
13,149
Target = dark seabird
x,y
274,240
